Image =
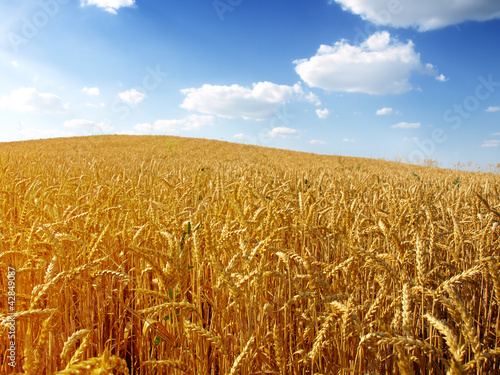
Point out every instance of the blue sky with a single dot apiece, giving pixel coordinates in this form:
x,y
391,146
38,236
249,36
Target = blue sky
x,y
370,78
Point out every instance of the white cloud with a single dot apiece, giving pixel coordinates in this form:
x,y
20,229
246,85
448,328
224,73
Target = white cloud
x,y
407,125
493,109
495,134
132,96
257,103
241,136
91,90
110,6
348,140
14,63
317,142
78,123
322,113
423,14
95,105
192,122
406,138
28,99
491,143
145,127
282,132
87,124
442,78
380,65
126,132
386,111
33,133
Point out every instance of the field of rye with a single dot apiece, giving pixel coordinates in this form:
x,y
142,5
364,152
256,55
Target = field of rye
x,y
168,255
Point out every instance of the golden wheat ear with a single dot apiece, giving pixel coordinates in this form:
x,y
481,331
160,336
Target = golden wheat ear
x,y
170,255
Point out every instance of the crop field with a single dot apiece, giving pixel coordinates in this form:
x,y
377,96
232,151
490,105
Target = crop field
x,y
169,255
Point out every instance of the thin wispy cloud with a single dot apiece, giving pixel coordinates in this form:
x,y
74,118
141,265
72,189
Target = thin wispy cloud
x,y
91,90
189,123
493,109
386,111
29,99
35,133
317,142
241,136
407,125
87,124
491,143
282,132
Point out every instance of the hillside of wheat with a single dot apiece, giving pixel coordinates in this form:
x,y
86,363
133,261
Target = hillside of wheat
x,y
169,255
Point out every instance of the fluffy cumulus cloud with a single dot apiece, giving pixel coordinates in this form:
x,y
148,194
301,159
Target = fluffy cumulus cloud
x,y
379,65
192,122
441,78
322,113
91,90
491,143
110,6
407,125
423,14
260,102
28,99
132,96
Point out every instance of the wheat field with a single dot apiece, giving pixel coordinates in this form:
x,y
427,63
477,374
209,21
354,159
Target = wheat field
x,y
169,255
